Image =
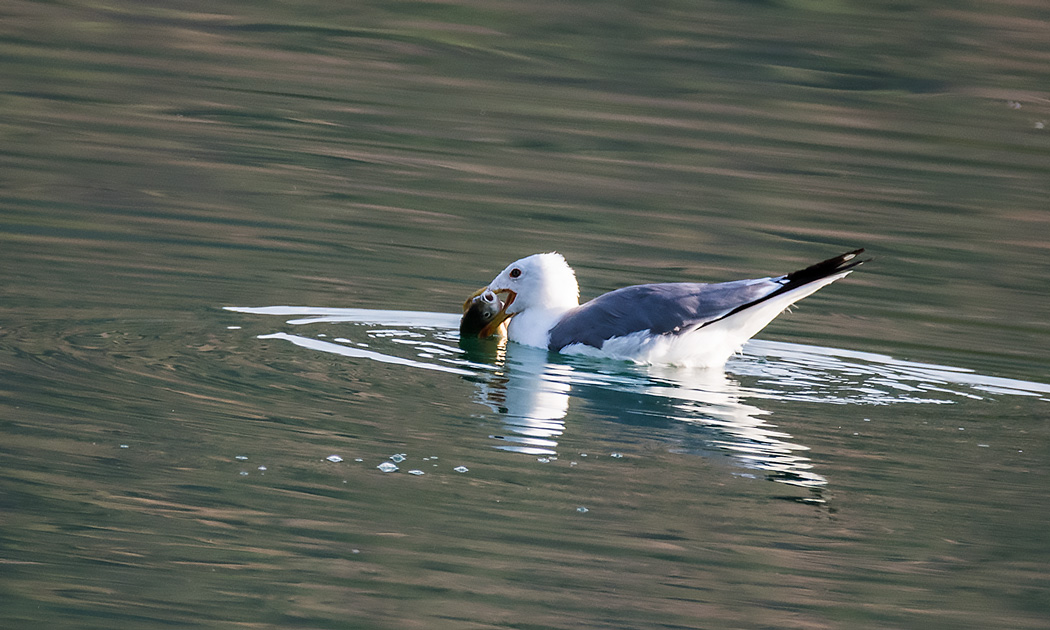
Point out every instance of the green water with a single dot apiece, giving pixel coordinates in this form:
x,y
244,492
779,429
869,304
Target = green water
x,y
878,459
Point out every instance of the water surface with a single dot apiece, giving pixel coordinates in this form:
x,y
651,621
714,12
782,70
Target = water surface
x,y
234,238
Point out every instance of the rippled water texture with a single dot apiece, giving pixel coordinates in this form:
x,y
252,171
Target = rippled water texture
x,y
530,395
178,449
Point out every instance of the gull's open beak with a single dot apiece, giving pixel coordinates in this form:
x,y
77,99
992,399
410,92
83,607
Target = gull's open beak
x,y
507,297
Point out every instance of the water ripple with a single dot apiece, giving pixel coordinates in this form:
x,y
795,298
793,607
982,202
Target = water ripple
x,y
529,391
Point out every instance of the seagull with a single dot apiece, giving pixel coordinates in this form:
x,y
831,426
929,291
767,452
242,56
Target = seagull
x,y
682,323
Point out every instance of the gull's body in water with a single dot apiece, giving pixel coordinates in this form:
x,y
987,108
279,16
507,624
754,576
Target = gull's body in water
x,y
685,323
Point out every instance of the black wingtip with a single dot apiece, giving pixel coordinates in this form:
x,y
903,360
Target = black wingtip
x,y
825,268
796,279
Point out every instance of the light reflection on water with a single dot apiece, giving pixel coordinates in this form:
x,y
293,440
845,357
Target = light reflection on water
x,y
530,390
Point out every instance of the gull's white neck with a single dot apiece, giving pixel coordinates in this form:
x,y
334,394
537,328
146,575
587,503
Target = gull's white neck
x,y
532,327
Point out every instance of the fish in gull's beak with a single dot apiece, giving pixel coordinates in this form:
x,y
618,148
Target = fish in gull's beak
x,y
469,302
484,313
506,296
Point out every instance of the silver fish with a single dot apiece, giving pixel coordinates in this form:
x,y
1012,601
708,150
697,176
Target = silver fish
x,y
478,311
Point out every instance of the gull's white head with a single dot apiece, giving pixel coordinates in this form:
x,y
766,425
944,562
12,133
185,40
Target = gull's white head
x,y
537,283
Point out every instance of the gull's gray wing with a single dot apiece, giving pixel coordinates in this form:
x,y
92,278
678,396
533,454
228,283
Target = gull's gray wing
x,y
659,308
675,308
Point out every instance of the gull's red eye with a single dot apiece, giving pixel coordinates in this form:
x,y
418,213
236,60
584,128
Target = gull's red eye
x,y
515,272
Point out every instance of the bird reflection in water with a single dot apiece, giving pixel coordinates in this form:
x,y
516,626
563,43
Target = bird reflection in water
x,y
530,390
